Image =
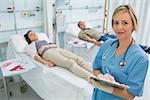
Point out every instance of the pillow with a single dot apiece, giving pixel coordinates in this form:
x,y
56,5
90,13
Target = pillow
x,y
74,30
43,36
20,43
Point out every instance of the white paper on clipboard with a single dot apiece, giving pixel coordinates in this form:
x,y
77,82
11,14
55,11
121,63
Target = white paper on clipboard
x,y
110,83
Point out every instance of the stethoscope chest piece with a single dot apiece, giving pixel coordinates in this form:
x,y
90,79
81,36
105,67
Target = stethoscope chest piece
x,y
122,63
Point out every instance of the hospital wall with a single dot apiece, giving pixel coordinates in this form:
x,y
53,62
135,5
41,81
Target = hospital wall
x,y
17,17
142,9
90,11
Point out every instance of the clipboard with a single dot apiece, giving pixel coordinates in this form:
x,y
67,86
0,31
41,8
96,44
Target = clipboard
x,y
110,83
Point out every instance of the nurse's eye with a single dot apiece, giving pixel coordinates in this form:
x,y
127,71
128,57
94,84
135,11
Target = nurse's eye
x,y
115,22
124,23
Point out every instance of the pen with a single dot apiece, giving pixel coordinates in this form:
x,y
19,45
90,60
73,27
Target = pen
x,y
107,70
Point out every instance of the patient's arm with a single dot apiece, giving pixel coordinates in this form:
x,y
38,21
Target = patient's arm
x,y
40,59
93,41
87,38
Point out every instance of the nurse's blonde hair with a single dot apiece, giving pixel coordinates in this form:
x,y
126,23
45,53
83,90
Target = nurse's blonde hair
x,y
131,12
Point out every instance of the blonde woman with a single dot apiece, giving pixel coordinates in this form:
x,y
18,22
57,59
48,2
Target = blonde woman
x,y
122,59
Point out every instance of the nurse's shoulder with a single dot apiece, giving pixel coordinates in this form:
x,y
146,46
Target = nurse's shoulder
x,y
139,53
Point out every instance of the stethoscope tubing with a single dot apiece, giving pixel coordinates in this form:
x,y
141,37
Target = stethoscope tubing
x,y
123,61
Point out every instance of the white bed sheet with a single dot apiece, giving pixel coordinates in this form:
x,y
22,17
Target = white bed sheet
x,y
58,84
53,83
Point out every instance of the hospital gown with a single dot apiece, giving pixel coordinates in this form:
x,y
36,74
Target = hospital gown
x,y
132,74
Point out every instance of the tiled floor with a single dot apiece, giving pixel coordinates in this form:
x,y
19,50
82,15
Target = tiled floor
x,y
17,95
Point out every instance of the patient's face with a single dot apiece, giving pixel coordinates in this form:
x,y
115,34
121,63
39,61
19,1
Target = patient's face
x,y
32,36
82,25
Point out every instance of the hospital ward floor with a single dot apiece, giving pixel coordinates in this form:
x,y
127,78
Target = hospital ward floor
x,y
16,94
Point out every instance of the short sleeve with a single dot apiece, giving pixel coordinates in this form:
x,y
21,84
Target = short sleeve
x,y
137,77
97,61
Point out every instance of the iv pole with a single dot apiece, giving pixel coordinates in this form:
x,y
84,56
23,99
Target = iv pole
x,y
54,23
105,16
14,15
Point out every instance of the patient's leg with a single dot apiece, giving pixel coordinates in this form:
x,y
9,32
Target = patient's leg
x,y
60,60
79,71
80,61
57,58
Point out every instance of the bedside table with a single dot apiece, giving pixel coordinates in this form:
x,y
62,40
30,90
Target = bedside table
x,y
14,67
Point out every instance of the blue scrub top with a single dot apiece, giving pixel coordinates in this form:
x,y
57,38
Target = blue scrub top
x,y
132,74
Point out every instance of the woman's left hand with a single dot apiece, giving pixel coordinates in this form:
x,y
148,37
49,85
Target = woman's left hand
x,y
107,77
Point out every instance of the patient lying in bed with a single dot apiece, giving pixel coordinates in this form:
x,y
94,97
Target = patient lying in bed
x,y
93,36
52,55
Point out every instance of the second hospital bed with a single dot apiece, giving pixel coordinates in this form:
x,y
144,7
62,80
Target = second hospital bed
x,y
49,83
87,51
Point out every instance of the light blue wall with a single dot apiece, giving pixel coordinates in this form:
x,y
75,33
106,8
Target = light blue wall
x,y
18,21
15,21
90,11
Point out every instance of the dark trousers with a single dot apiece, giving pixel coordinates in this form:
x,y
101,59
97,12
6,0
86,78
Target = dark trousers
x,y
106,37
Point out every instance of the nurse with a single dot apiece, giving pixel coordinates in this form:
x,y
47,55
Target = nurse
x,y
121,60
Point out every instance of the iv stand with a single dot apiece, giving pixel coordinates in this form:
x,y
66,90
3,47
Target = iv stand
x,y
105,16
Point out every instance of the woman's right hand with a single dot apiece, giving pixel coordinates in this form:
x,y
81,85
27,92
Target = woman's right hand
x,y
97,42
53,46
50,64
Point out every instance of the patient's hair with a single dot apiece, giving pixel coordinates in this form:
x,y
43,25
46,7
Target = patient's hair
x,y
27,38
79,23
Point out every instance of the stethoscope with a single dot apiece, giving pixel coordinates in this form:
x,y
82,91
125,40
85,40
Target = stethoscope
x,y
122,62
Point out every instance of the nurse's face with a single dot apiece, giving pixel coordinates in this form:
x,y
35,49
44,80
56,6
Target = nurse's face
x,y
122,25
32,36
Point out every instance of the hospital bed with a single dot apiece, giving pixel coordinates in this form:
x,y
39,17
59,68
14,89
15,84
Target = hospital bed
x,y
49,83
71,35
